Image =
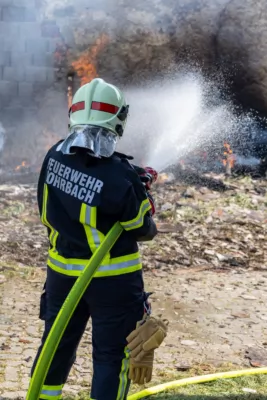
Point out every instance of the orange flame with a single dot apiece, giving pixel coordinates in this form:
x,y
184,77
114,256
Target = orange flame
x,y
85,66
229,158
162,178
22,165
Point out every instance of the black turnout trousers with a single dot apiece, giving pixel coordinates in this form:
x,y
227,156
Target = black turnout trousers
x,y
115,304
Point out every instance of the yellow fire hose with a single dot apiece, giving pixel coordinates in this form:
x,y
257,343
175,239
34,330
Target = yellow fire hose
x,y
195,380
66,312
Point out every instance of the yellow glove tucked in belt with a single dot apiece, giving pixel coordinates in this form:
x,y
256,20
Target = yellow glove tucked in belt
x,y
148,335
140,372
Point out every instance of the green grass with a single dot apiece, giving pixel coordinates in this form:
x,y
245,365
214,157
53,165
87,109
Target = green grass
x,y
228,389
231,389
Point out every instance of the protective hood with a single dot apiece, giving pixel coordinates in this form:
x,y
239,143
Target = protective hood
x,y
99,142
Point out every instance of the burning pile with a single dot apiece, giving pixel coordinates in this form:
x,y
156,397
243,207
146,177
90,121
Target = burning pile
x,y
228,158
21,166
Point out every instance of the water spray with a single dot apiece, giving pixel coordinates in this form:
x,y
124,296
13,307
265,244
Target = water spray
x,y
173,117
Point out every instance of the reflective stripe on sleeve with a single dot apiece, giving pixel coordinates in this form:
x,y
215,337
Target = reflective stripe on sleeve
x,y
139,220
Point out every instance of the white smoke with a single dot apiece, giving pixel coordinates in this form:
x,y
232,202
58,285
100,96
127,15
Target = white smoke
x,y
168,119
2,137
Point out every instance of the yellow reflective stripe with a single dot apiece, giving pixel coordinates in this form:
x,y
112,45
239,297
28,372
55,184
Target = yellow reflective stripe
x,y
124,375
115,266
51,392
94,237
92,215
98,274
138,221
121,271
88,215
45,197
82,261
53,233
88,219
129,257
119,265
52,387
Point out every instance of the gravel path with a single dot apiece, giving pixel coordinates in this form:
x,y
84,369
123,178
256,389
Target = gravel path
x,y
214,318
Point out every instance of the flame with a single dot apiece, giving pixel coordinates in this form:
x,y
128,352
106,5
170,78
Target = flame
x,y
162,178
229,158
22,165
85,66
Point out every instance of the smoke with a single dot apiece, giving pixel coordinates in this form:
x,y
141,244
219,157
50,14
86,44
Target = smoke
x,y
2,137
33,107
38,128
186,111
150,36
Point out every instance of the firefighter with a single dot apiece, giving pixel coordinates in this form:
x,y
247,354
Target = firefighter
x,y
84,187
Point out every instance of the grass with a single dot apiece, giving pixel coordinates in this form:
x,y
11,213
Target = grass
x,y
228,389
242,200
231,389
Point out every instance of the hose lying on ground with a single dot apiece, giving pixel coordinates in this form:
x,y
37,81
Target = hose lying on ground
x,y
195,380
66,312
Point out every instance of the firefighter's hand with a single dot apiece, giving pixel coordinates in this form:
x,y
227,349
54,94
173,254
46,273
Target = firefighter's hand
x,y
140,372
148,335
149,177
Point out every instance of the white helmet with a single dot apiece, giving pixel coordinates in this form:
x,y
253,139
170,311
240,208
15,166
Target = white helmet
x,y
98,117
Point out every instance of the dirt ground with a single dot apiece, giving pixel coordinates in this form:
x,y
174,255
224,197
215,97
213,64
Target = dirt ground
x,y
214,319
207,269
